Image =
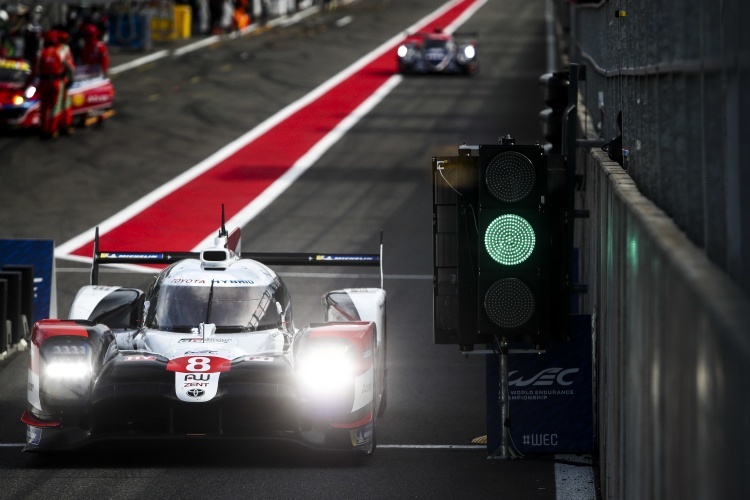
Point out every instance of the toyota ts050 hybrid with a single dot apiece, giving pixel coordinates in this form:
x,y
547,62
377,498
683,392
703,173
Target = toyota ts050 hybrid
x,y
438,52
209,350
91,94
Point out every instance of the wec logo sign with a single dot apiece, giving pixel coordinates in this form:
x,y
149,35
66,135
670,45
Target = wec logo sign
x,y
545,377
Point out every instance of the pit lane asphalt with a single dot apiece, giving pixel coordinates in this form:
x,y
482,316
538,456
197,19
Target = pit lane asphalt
x,y
174,111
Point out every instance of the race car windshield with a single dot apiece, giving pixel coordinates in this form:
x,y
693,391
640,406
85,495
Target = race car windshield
x,y
233,309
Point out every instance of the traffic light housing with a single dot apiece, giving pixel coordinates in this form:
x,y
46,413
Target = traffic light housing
x,y
501,246
513,254
454,249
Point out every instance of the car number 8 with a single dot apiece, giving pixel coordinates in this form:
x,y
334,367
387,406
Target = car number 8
x,y
198,364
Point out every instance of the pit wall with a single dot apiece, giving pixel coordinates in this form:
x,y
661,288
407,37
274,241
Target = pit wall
x,y
672,349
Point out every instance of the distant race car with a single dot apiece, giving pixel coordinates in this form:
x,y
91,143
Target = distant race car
x,y
438,52
210,351
92,95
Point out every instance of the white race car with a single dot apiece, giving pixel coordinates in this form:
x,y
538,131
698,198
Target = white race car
x,y
209,350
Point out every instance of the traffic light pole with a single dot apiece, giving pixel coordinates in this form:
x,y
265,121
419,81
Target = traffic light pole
x,y
505,451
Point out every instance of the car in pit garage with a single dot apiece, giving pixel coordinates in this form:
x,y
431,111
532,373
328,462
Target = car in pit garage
x,y
210,351
91,93
438,52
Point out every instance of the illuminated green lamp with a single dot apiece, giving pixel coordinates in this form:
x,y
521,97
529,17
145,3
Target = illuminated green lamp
x,y
509,239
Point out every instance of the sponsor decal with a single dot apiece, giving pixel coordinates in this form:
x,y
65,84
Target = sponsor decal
x,y
266,359
540,439
357,258
545,377
97,98
134,256
196,387
233,282
362,435
196,380
198,281
138,357
205,351
33,435
206,340
195,393
363,385
546,383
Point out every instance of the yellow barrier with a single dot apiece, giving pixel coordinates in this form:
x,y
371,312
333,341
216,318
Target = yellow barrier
x,y
176,27
182,20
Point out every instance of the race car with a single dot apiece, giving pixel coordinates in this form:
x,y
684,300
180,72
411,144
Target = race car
x,y
210,351
92,95
438,52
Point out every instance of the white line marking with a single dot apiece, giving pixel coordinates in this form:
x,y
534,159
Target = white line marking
x,y
272,192
299,16
344,21
138,62
197,45
12,445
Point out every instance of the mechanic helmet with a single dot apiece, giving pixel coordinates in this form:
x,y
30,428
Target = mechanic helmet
x,y
89,31
62,35
51,38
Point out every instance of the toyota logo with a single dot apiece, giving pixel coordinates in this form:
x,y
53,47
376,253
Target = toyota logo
x,y
195,393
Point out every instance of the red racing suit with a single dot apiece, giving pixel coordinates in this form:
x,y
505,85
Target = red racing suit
x,y
51,74
95,52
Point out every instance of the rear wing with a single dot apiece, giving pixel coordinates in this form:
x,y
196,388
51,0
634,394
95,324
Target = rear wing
x,y
267,258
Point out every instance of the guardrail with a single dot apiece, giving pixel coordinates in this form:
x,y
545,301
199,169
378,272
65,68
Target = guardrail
x,y
662,250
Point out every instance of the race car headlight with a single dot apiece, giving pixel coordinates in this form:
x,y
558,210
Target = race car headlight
x,y
327,368
66,372
402,51
470,52
30,92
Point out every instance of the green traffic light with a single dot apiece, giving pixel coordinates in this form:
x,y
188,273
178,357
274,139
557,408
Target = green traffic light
x,y
509,239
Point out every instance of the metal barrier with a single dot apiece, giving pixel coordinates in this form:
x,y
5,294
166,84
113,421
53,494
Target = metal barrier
x,y
662,251
676,69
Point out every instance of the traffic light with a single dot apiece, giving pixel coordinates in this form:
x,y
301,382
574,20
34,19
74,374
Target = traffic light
x,y
500,230
555,89
522,280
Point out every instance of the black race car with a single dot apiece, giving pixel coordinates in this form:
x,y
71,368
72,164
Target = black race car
x,y
438,52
